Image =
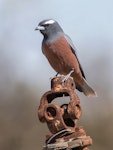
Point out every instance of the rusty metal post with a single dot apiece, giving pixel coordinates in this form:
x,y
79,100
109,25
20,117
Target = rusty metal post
x,y
62,120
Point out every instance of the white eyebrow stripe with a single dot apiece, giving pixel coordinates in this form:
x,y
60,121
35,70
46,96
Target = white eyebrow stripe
x,y
49,22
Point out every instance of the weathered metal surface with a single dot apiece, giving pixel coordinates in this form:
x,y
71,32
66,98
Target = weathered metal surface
x,y
62,120
81,143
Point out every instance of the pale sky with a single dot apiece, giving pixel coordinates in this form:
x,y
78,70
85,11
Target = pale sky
x,y
88,23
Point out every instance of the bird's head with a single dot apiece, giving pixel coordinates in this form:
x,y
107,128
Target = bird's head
x,y
49,27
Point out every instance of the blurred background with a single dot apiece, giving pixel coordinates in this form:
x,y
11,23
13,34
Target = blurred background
x,y
25,73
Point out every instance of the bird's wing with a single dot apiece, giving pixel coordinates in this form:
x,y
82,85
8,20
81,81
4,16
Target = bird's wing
x,y
74,52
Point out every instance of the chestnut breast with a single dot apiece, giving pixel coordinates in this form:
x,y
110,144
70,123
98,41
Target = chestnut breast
x,y
60,56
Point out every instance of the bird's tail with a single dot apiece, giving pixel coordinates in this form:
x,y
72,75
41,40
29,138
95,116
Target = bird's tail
x,y
87,90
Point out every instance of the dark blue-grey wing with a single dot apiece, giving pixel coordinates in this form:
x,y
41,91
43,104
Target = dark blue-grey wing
x,y
74,52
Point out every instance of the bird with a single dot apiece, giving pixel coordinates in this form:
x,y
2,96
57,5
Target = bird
x,y
61,54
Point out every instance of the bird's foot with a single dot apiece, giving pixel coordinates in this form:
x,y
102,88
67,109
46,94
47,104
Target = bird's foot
x,y
68,75
57,74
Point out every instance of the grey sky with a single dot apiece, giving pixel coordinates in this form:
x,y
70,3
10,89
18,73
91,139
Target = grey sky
x,y
88,23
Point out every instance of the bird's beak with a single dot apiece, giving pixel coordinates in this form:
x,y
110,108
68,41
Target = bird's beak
x,y
40,28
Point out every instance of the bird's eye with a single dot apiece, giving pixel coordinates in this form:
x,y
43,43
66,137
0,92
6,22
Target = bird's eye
x,y
46,25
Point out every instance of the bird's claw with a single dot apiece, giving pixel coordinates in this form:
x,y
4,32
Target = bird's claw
x,y
57,74
68,75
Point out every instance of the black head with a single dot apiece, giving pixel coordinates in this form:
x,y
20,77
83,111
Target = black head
x,y
49,27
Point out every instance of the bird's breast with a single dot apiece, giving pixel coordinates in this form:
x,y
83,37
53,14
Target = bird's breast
x,y
60,56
